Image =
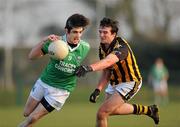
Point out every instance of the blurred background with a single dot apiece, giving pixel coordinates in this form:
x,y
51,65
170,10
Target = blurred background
x,y
152,27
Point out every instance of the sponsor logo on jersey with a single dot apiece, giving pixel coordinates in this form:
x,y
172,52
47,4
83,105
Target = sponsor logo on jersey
x,y
65,67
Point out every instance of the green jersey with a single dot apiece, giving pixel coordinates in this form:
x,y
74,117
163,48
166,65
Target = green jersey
x,y
159,73
60,73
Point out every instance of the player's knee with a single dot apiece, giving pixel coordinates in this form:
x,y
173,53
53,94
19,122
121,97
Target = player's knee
x,y
101,114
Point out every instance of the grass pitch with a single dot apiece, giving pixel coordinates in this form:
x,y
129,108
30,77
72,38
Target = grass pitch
x,y
78,112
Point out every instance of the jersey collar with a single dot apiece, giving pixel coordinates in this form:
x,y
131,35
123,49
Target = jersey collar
x,y
64,38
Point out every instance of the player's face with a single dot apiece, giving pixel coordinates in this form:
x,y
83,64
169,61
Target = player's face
x,y
74,35
106,37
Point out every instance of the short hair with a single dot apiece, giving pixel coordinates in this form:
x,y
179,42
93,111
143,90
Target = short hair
x,y
76,20
107,22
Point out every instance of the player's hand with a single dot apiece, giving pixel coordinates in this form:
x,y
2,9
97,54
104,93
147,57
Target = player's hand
x,y
82,70
93,97
51,37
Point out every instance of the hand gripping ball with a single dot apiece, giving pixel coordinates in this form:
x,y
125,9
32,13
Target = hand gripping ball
x,y
58,49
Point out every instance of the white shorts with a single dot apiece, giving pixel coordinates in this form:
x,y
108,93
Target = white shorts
x,y
54,96
160,86
126,89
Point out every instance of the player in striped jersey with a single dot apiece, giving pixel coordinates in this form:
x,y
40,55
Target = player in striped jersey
x,y
121,71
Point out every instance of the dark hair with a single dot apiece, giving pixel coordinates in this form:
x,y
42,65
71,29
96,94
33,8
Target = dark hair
x,y
76,20
107,22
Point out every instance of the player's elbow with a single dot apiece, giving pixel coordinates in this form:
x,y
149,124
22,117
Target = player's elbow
x,y
33,56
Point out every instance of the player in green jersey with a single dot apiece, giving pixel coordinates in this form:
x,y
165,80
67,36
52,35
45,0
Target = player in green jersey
x,y
158,77
57,79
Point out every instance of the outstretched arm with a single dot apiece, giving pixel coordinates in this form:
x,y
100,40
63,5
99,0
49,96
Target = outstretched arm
x,y
105,63
100,65
118,54
37,52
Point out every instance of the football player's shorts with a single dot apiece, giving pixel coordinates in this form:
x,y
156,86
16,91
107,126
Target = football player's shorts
x,y
54,96
126,89
160,85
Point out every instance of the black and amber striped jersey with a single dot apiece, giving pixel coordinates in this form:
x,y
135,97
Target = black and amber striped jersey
x,y
126,69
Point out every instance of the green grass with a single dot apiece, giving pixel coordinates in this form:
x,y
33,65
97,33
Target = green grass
x,y
78,112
